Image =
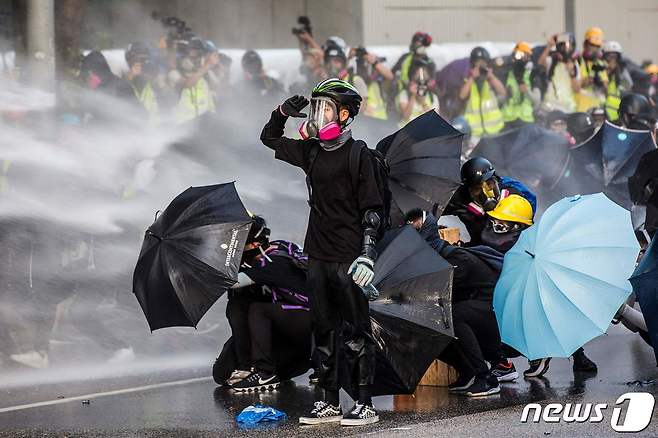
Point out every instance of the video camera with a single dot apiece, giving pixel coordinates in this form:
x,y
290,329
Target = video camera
x,y
361,52
304,26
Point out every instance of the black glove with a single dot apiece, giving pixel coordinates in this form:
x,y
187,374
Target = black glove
x,y
293,105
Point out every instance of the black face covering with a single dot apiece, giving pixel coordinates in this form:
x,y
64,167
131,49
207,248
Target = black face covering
x,y
518,69
501,242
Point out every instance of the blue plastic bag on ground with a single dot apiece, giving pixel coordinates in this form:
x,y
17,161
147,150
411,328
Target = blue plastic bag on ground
x,y
254,414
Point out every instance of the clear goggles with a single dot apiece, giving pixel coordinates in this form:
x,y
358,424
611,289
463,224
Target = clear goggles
x,y
500,227
323,111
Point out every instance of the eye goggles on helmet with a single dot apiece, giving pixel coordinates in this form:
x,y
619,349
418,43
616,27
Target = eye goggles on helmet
x,y
323,111
518,55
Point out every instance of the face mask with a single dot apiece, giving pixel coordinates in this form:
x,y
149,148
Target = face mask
x,y
94,81
421,50
487,197
188,64
323,120
501,242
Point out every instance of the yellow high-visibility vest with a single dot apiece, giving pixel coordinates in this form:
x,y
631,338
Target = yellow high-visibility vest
x,y
194,101
482,112
612,100
518,106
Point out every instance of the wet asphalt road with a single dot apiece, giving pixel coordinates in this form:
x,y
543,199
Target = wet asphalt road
x,y
196,407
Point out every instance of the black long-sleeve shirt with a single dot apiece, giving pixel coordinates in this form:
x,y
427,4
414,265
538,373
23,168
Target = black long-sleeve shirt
x,y
335,229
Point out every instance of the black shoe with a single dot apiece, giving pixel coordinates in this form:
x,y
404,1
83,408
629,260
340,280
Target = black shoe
x,y
462,383
322,412
484,385
505,371
314,377
257,382
538,367
582,363
360,415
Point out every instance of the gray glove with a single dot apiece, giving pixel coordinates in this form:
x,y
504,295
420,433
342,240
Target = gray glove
x,y
362,271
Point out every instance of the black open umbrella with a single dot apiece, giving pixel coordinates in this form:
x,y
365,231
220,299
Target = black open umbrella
x,y
191,255
424,164
606,161
643,188
533,155
411,319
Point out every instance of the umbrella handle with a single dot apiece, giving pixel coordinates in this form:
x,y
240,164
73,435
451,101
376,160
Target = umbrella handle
x,y
443,313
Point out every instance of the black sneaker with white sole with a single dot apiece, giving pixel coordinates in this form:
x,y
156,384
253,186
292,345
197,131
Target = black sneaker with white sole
x,y
360,415
505,371
537,367
484,385
322,412
461,384
257,382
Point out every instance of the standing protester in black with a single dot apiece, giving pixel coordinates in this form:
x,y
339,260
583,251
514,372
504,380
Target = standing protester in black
x,y
345,219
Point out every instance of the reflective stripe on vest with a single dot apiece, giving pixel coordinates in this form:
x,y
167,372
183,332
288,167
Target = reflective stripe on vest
x,y
612,100
194,101
482,112
518,105
375,105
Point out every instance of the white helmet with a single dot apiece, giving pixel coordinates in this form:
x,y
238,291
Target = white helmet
x,y
612,47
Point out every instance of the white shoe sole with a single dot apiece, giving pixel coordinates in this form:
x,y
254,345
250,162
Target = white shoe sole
x,y
492,391
538,373
509,377
355,422
269,387
311,420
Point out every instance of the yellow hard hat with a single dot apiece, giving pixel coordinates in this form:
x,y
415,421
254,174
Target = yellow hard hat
x,y
523,47
594,36
651,69
514,208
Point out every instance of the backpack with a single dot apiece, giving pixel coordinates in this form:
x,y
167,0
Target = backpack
x,y
381,170
291,251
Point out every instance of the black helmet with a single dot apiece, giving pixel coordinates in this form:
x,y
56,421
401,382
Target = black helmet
x,y
476,170
136,51
197,44
252,62
633,104
479,53
340,92
580,126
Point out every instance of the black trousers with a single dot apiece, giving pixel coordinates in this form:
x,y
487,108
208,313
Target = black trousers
x,y
478,338
341,325
237,313
291,327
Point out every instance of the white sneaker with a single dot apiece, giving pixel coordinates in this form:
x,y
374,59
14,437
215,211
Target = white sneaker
x,y
122,355
34,359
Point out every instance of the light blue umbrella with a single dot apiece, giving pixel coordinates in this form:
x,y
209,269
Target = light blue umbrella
x,y
565,278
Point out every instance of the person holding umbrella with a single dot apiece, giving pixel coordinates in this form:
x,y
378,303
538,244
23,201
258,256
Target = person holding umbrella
x,y
273,307
480,191
476,271
346,217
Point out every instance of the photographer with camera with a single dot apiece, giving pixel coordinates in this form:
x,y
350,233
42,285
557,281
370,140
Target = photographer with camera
x,y
481,91
619,79
418,96
563,73
593,75
257,84
420,42
522,97
373,79
196,95
141,76
312,68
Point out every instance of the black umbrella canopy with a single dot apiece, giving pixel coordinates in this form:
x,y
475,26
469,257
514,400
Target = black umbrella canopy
x,y
533,155
645,286
191,255
411,320
424,159
608,159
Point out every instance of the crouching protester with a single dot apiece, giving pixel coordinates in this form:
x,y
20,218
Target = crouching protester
x,y
268,312
476,271
345,220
